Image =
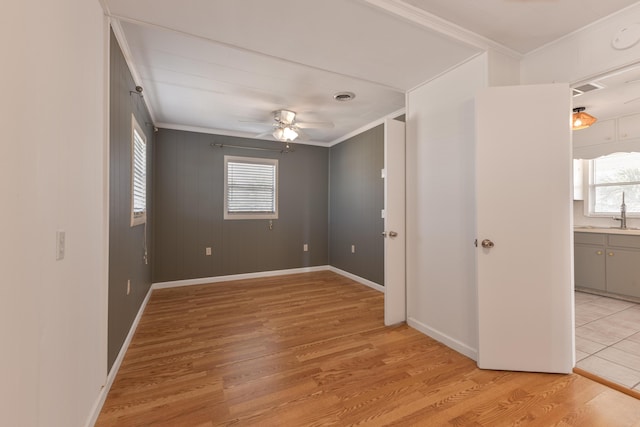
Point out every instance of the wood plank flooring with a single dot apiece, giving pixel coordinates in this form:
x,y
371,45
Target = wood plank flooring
x,y
311,350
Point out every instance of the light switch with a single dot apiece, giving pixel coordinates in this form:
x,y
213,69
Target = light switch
x,y
305,247
207,250
353,249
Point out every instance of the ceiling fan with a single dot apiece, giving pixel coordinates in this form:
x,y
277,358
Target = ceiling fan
x,y
286,128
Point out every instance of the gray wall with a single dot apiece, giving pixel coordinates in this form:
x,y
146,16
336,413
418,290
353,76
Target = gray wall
x,y
126,253
356,202
188,197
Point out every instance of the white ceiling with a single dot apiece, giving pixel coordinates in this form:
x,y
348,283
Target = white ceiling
x,y
213,65
522,25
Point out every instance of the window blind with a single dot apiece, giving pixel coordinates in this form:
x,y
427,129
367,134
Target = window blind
x,y
251,187
139,179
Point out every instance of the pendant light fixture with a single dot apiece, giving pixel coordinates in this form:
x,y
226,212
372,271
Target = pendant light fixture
x,y
580,119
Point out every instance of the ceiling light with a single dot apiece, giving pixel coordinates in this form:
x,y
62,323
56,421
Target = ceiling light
x,y
289,133
580,119
285,133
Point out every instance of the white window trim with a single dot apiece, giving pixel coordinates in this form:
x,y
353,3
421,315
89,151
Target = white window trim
x,y
137,218
589,196
257,215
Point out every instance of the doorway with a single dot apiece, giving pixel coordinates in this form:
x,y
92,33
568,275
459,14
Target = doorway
x,y
607,320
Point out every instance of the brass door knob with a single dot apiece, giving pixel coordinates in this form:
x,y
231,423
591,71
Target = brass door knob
x,y
487,244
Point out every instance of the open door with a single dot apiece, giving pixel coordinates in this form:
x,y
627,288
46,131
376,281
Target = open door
x,y
524,229
395,304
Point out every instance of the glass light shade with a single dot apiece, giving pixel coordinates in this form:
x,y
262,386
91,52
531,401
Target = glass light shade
x,y
277,134
289,133
285,133
582,120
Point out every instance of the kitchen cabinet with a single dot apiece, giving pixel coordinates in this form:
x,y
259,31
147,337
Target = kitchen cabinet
x,y
608,263
589,261
629,127
623,265
601,132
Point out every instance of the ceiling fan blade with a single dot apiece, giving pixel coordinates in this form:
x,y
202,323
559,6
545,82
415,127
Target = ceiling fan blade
x,y
257,122
264,134
315,125
301,135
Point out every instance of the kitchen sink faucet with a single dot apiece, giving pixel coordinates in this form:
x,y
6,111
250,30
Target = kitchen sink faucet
x,y
623,214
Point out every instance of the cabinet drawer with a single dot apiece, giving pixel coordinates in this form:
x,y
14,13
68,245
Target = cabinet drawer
x,y
589,238
624,241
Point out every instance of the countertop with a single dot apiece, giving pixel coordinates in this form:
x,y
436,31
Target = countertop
x,y
606,230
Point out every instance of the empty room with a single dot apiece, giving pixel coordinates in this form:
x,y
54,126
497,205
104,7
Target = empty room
x,y
340,212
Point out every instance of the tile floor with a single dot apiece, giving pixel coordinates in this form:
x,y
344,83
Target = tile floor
x,y
608,338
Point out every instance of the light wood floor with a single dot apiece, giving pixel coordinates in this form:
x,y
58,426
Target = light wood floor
x,y
311,349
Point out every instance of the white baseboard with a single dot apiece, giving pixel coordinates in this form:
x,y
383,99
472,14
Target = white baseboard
x,y
458,346
358,279
217,279
97,407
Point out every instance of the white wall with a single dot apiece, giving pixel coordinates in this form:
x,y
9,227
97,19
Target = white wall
x,y
583,54
441,220
53,176
441,287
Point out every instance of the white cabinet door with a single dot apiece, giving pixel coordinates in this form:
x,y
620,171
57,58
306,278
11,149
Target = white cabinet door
x,y
524,207
629,127
601,132
395,303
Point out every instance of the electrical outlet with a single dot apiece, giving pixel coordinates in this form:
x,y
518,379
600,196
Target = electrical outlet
x,y
305,247
60,244
128,286
353,249
207,251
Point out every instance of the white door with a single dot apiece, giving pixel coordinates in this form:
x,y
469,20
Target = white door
x,y
395,304
524,210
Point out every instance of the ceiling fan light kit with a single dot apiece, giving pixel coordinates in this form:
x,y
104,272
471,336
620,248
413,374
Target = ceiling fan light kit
x,y
285,130
580,119
285,133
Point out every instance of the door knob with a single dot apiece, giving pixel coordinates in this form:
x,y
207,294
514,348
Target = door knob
x,y
392,234
487,244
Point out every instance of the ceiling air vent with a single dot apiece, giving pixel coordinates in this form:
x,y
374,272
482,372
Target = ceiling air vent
x,y
587,87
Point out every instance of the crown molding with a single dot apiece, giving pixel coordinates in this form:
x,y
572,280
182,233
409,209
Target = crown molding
x,y
126,52
225,132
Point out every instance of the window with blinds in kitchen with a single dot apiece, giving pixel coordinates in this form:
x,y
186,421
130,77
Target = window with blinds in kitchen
x,y
251,188
138,174
609,178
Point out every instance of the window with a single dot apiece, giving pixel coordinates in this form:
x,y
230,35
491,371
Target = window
x,y
138,174
251,188
609,177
